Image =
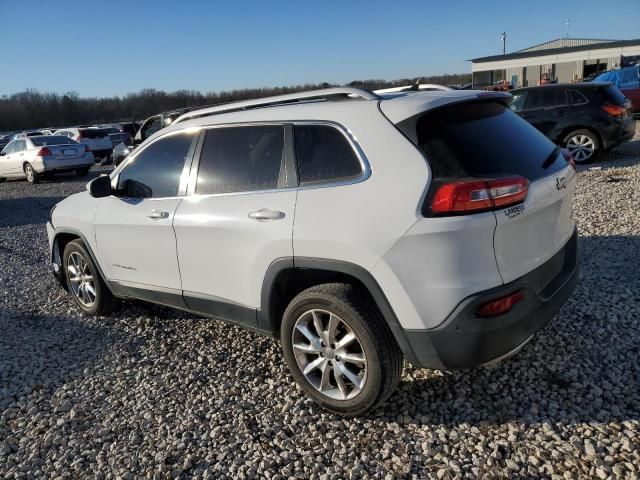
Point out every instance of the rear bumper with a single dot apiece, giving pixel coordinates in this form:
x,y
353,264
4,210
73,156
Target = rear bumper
x,y
102,153
465,340
60,166
622,133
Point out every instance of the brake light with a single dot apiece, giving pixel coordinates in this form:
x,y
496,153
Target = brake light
x,y
614,110
80,135
500,305
43,152
479,195
569,158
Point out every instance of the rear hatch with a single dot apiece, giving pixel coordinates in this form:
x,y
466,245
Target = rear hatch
x,y
96,138
480,139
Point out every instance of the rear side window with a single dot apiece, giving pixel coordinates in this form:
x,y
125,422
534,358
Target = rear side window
x,y
93,133
241,159
155,172
577,97
482,139
323,154
613,95
545,97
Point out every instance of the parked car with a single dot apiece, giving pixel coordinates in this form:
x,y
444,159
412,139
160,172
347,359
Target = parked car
x,y
96,139
412,231
155,123
33,157
22,135
585,118
627,80
117,136
46,132
129,127
5,138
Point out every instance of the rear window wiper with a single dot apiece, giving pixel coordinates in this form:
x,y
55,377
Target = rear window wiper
x,y
551,158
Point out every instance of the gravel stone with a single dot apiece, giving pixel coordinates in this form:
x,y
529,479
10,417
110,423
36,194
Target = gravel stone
x,y
150,392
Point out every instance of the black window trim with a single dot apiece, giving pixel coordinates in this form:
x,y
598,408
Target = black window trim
x,y
292,182
184,177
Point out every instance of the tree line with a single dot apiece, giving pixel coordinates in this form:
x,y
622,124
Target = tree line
x,y
35,109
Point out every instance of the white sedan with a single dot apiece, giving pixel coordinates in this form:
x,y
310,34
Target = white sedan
x,y
32,157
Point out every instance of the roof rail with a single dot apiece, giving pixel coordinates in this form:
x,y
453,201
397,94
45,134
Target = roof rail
x,y
325,94
416,87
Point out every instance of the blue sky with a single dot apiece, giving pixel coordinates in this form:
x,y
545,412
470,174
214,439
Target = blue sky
x,y
103,48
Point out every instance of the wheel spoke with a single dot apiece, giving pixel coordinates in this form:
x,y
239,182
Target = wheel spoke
x,y
340,381
317,323
308,347
357,358
303,329
317,363
325,380
89,288
353,378
346,340
333,326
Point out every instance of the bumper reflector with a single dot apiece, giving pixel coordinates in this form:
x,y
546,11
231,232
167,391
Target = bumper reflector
x,y
499,305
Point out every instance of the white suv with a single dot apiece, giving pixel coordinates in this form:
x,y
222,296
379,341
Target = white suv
x,y
360,229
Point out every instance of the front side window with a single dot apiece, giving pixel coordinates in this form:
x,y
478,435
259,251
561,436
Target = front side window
x,y
323,154
151,127
241,159
155,172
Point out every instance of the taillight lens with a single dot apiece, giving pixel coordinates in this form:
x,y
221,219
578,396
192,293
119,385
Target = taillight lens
x,y
43,152
569,158
614,110
458,198
500,305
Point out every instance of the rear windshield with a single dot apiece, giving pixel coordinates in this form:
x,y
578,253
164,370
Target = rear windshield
x,y
93,133
33,134
613,95
111,130
45,140
483,139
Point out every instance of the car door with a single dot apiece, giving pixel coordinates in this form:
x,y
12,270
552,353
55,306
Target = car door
x,y
544,108
238,220
16,159
134,234
5,158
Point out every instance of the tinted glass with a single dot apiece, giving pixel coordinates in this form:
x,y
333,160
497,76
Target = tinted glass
x,y
93,133
545,97
577,98
9,148
155,172
20,145
51,140
517,102
33,134
613,95
241,159
484,139
111,130
151,127
324,154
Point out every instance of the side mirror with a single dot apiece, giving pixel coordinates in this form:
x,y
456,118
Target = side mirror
x,y
100,187
2,154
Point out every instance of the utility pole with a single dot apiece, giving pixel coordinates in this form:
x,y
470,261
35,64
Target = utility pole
x,y
567,24
504,42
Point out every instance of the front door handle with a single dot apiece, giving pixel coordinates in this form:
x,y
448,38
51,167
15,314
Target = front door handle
x,y
157,214
267,214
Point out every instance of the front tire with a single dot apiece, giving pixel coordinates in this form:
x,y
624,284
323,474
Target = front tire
x,y
583,145
84,281
32,176
339,348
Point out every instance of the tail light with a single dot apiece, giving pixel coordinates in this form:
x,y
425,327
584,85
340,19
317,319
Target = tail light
x,y
500,305
80,135
459,198
43,152
569,158
614,110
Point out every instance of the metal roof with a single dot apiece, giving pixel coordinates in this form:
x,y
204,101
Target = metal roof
x,y
565,42
557,50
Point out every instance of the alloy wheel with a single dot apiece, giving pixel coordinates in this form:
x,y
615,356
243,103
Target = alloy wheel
x,y
81,279
581,147
29,172
329,354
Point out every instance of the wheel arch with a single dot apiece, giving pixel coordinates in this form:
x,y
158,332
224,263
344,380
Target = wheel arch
x,y
286,277
574,128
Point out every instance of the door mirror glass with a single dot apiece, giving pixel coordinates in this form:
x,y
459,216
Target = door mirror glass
x,y
100,187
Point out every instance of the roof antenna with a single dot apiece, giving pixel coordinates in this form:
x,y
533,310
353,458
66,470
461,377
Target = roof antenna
x,y
416,86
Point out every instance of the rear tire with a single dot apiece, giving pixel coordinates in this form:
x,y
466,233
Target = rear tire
x,y
82,172
32,176
584,145
84,282
358,355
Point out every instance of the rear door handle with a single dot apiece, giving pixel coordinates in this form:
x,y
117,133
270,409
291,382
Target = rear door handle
x,y
267,214
157,214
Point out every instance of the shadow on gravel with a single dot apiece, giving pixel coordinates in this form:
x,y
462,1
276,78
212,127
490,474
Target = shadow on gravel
x,y
43,352
15,212
582,367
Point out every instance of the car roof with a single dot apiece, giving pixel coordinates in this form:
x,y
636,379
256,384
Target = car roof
x,y
328,104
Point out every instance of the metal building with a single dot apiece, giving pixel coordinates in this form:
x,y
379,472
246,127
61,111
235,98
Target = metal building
x,y
563,60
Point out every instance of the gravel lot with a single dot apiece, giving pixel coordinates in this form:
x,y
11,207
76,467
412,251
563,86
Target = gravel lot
x,y
150,392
